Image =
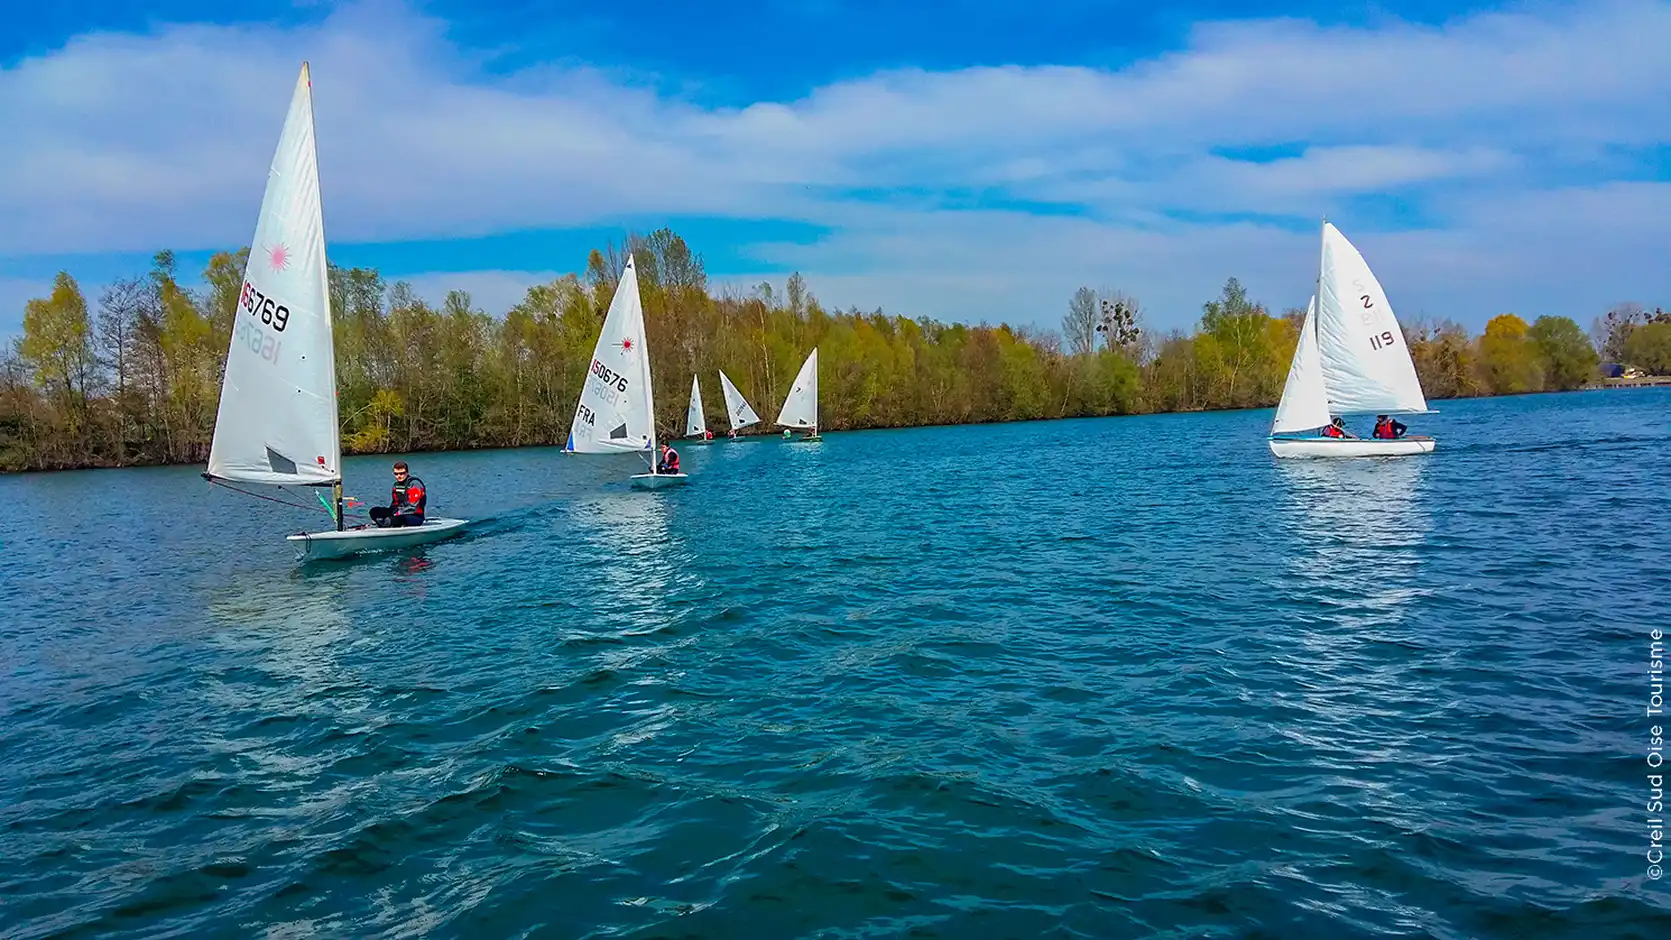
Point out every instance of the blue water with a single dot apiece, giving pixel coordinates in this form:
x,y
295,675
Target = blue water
x,y
1104,678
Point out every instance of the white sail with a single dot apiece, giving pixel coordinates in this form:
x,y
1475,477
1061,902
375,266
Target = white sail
x,y
277,420
800,409
696,424
1305,402
1366,364
615,412
740,414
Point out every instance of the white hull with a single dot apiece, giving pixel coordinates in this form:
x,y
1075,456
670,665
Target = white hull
x,y
1350,447
319,546
658,481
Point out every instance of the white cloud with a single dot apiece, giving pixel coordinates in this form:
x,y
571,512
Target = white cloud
x,y
1492,127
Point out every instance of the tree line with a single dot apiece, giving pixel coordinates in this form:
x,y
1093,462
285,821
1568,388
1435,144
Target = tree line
x,y
135,378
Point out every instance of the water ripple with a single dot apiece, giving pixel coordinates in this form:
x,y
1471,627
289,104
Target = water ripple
x,y
1114,678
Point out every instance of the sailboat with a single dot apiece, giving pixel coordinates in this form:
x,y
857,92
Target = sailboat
x,y
277,420
1351,359
737,410
800,409
696,423
616,412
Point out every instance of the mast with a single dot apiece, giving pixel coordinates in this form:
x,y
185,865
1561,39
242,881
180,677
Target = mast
x,y
1317,304
644,369
330,327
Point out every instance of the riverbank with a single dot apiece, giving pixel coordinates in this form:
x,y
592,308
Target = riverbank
x,y
1645,382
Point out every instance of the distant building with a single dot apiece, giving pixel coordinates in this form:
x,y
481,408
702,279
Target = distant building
x,y
1612,370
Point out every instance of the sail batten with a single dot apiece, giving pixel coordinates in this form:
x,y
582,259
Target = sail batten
x,y
276,422
737,408
800,408
614,413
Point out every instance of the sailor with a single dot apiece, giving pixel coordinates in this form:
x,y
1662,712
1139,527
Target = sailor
x,y
406,501
1388,429
1337,428
669,460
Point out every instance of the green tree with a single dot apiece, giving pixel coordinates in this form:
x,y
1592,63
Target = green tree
x,y
1569,361
57,345
1649,347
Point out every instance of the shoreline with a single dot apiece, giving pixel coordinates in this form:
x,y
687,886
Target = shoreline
x,y
1609,385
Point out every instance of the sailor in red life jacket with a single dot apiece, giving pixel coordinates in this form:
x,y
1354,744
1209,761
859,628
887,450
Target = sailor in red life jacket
x,y
1337,428
669,460
406,501
1389,429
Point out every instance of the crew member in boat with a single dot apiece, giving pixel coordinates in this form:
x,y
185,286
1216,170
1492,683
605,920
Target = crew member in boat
x,y
1388,428
1337,428
406,502
669,460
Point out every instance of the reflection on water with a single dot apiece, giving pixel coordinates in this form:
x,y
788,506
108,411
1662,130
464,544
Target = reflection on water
x,y
1358,528
630,560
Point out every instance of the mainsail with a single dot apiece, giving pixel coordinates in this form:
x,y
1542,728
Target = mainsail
x,y
1366,364
614,413
696,424
736,408
277,420
800,409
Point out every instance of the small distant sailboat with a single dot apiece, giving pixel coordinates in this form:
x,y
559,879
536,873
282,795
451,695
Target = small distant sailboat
x,y
696,423
616,412
277,420
800,409
1351,359
737,410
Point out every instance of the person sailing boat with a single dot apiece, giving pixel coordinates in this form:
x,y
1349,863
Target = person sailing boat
x,y
406,501
669,460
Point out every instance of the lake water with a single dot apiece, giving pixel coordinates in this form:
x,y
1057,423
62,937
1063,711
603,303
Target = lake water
x,y
1106,678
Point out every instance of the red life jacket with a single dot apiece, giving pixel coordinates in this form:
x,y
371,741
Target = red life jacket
x,y
407,499
672,460
1332,431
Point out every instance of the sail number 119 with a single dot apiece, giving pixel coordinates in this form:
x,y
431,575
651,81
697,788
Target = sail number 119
x,y
1382,341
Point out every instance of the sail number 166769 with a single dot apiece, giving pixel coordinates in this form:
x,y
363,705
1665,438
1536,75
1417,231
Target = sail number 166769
x,y
259,305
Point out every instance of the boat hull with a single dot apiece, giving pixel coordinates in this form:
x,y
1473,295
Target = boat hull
x,y
1334,447
321,546
658,481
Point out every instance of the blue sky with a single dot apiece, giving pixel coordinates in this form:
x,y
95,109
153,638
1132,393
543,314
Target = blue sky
x,y
971,161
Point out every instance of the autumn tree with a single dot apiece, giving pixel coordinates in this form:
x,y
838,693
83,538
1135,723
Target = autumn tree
x,y
1508,360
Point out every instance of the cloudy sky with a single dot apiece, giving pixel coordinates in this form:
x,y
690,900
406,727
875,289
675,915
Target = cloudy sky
x,y
970,161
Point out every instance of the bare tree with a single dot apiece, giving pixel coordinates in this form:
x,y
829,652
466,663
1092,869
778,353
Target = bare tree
x,y
1610,331
1079,327
1118,316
